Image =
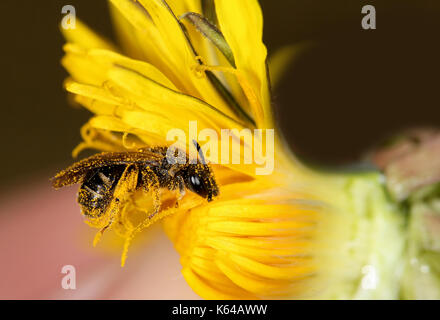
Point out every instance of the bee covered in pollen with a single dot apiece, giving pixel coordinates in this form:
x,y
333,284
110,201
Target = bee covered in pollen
x,y
109,179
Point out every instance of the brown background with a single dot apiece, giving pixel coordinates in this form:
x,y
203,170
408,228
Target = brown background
x,y
350,89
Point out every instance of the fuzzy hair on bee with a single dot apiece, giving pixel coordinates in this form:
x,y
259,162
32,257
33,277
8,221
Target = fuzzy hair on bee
x,y
108,179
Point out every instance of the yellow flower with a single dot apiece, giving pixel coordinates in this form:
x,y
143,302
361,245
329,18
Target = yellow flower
x,y
283,235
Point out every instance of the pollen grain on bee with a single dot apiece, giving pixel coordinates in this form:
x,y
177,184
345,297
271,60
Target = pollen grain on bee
x,y
249,147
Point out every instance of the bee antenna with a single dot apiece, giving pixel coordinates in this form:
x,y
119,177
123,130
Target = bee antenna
x,y
199,150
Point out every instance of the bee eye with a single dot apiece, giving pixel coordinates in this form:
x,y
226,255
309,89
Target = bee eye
x,y
196,185
195,181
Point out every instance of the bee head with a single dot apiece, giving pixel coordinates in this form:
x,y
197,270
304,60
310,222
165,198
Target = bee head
x,y
200,179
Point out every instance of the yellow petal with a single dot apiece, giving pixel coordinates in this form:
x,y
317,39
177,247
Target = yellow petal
x,y
167,48
143,87
85,37
241,22
110,59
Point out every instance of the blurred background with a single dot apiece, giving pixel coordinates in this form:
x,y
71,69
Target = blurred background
x,y
349,89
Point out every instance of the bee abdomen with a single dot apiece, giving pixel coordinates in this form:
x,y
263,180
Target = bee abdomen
x,y
97,189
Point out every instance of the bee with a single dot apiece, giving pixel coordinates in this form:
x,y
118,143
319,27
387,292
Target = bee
x,y
107,179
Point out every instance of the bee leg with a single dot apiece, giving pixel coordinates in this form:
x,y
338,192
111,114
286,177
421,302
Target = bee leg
x,y
149,182
172,171
101,232
125,187
116,210
156,201
182,190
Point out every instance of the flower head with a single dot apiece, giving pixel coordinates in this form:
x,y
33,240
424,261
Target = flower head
x,y
265,236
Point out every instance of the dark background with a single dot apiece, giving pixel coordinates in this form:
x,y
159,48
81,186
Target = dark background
x,y
351,88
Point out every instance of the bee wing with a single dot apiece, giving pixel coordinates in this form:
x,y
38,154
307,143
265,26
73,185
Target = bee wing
x,y
76,172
